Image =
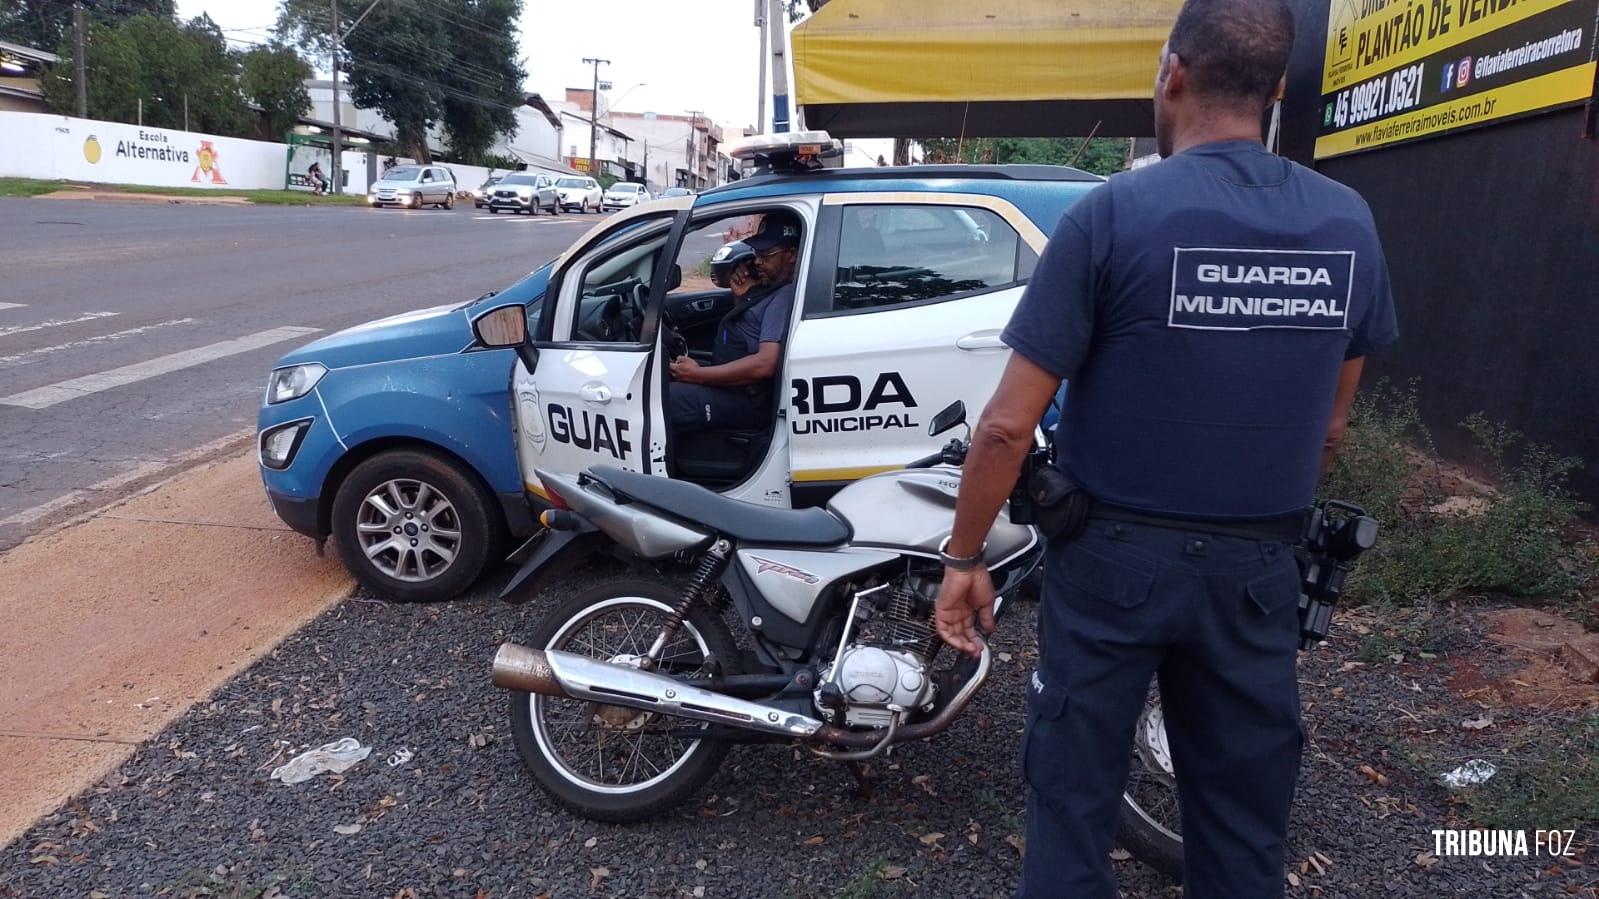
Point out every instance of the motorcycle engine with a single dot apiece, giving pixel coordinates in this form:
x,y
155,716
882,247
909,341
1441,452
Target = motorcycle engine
x,y
884,668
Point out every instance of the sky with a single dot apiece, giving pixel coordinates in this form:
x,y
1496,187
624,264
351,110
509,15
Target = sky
x,y
696,55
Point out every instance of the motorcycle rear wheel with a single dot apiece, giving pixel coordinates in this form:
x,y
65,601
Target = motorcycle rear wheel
x,y
567,744
1150,828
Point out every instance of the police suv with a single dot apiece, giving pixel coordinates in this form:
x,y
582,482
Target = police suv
x,y
413,441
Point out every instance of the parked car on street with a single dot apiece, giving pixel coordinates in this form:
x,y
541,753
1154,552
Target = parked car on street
x,y
414,186
623,194
480,194
414,440
676,192
526,192
580,193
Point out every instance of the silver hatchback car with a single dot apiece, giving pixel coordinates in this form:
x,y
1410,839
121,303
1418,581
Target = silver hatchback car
x,y
414,186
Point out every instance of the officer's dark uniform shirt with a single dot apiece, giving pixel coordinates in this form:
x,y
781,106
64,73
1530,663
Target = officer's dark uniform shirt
x,y
764,322
1202,308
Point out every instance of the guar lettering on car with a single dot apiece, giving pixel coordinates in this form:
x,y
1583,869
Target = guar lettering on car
x,y
589,431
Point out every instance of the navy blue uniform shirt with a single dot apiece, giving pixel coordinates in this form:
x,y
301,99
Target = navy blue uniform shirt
x,y
1201,308
764,322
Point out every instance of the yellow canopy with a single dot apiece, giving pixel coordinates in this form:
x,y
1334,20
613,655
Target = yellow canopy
x,y
1001,68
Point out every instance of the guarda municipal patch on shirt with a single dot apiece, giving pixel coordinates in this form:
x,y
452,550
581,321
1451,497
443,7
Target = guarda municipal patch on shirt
x,y
1243,289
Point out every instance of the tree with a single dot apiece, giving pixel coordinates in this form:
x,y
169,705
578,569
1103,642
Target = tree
x,y
486,81
175,71
43,24
273,77
423,63
1104,155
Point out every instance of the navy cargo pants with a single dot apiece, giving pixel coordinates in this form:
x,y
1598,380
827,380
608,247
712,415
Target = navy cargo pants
x,y
699,407
1216,619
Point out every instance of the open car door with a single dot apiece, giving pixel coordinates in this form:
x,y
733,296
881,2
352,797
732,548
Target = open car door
x,y
595,397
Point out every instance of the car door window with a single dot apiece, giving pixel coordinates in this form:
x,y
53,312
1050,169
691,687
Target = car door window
x,y
613,291
899,255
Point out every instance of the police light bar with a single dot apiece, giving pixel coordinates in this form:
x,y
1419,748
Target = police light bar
x,y
788,153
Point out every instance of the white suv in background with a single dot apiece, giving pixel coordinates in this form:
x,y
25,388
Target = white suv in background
x,y
623,194
580,192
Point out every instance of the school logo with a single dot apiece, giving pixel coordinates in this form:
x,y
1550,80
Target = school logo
x,y
91,150
1225,289
208,164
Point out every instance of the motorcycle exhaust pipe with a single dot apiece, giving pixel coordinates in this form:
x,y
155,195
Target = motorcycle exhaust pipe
x,y
568,675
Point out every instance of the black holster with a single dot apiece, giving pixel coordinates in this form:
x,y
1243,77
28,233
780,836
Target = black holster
x,y
1060,506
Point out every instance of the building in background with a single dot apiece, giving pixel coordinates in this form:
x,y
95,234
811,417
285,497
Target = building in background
x,y
614,153
20,68
675,150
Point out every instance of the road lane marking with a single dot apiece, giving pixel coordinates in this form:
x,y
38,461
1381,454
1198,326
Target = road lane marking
x,y
45,397
12,305
32,355
117,482
55,323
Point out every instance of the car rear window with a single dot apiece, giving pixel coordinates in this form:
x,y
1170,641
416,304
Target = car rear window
x,y
891,256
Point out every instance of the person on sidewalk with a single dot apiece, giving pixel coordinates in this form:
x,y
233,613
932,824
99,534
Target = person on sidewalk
x,y
1212,312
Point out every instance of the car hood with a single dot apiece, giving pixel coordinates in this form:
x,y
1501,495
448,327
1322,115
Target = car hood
x,y
434,331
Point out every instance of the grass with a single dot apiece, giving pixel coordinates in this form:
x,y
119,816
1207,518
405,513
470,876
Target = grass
x,y
1548,779
30,187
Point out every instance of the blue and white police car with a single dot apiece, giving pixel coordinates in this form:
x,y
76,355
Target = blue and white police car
x,y
412,441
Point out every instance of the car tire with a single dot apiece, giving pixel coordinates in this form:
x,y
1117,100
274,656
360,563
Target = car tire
x,y
455,501
493,210
449,200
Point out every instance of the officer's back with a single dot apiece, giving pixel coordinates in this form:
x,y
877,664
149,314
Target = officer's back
x,y
1224,309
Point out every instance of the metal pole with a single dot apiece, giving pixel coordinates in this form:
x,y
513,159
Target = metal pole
x,y
80,76
141,111
337,174
775,20
185,110
594,113
694,148
760,114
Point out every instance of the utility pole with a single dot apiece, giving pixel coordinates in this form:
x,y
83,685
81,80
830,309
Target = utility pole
x,y
760,23
594,113
694,148
80,77
777,22
337,175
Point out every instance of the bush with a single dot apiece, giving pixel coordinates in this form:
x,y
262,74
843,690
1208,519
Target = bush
x,y
1511,541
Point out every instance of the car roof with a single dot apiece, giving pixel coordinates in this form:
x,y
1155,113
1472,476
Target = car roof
x,y
1041,192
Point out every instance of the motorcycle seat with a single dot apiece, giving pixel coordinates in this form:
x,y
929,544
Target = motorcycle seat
x,y
742,521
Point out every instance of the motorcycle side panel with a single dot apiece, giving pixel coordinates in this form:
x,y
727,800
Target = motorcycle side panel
x,y
792,580
644,533
914,510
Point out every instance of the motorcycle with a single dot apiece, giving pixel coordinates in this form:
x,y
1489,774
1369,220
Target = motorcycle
x,y
627,697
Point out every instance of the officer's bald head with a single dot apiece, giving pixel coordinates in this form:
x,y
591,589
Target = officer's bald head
x,y
1235,51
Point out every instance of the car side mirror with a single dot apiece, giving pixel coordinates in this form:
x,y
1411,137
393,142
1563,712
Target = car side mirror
x,y
506,327
674,279
952,415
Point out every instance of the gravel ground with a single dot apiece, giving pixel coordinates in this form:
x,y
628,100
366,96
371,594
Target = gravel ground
x,y
193,812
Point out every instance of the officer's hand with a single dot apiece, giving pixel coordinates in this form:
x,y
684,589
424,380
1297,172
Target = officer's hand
x,y
963,594
740,281
684,369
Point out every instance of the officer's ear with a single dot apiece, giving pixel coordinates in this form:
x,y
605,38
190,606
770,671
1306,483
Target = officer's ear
x,y
1173,75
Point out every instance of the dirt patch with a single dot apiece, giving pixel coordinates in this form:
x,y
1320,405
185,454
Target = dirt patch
x,y
1560,659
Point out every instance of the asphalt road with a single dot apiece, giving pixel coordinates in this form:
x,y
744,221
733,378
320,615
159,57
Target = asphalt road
x,y
91,288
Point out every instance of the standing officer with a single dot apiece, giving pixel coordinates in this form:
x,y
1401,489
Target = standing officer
x,y
1211,312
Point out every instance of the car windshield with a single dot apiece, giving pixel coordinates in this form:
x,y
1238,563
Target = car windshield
x,y
571,182
519,179
625,188
403,173
491,182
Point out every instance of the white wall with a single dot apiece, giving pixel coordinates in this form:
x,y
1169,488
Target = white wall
x,y
53,147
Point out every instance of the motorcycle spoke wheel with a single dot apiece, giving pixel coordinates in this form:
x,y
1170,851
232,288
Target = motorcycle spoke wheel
x,y
613,749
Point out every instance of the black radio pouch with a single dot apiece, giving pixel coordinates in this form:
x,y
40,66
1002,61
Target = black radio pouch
x,y
1060,506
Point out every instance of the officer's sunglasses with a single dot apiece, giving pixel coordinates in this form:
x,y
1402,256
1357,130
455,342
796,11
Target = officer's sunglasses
x,y
773,252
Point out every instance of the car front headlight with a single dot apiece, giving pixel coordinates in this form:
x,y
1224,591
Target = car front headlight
x,y
279,444
293,382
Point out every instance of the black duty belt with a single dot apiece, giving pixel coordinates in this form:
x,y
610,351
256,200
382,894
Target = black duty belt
x,y
1284,529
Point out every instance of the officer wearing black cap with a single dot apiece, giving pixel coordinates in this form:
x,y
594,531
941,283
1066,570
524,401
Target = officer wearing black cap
x,y
735,390
1211,312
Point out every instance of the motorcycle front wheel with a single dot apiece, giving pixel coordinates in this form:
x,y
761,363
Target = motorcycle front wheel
x,y
611,763
1150,828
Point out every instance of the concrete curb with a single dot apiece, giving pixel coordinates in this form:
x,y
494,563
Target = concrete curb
x,y
143,198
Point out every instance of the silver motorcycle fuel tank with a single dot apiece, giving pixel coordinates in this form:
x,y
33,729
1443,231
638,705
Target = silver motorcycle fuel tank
x,y
913,510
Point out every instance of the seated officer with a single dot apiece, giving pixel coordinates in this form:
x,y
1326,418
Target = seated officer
x,y
735,390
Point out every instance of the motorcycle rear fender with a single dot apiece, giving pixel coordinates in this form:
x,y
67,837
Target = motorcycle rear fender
x,y
554,554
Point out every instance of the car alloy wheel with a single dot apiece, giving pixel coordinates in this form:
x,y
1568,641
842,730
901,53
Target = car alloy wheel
x,y
409,530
